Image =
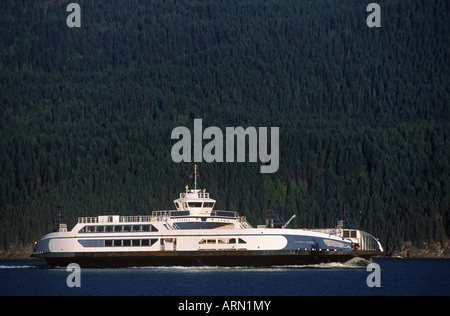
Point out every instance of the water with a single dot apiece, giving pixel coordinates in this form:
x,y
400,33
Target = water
x,y
398,277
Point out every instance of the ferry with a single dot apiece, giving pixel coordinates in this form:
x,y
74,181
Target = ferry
x,y
195,234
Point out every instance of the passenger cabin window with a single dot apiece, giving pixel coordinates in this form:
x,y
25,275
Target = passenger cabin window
x,y
221,241
118,229
239,241
207,242
125,242
136,242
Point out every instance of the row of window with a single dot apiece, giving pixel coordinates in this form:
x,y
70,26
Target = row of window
x,y
118,229
118,242
130,242
148,242
221,241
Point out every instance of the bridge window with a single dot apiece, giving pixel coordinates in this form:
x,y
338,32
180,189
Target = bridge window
x,y
350,234
195,204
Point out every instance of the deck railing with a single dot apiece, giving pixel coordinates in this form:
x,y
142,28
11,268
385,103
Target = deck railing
x,y
135,219
113,219
88,220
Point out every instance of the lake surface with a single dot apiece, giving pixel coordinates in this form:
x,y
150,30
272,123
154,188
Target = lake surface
x,y
396,277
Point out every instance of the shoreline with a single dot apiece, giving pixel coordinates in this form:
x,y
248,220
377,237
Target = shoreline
x,y
427,250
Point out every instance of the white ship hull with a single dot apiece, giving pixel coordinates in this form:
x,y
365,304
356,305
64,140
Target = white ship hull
x,y
195,234
166,245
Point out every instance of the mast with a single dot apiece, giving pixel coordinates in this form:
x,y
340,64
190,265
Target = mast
x,y
195,176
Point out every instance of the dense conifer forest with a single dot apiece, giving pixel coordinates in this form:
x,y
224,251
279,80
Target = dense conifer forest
x,y
87,113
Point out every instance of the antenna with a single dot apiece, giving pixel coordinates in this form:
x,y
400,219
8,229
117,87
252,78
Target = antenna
x,y
195,176
347,222
287,223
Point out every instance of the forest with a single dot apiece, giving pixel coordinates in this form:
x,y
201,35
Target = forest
x,y
87,113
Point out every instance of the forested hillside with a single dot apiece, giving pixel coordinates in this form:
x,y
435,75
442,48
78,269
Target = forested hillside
x,y
87,113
